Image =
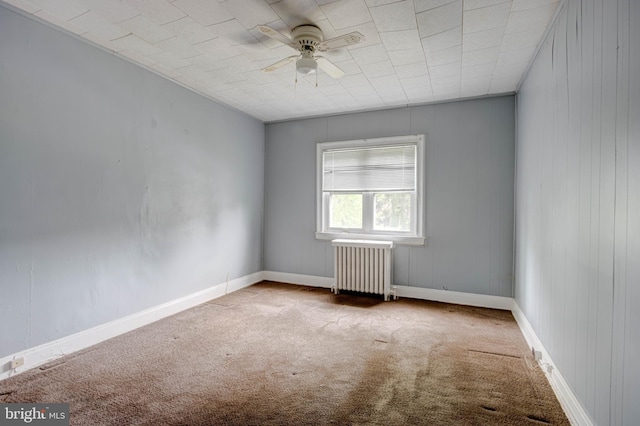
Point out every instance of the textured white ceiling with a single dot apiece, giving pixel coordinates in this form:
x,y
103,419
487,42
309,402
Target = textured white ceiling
x,y
416,51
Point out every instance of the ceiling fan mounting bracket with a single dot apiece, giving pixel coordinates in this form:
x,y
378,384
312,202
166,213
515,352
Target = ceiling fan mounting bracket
x,y
307,36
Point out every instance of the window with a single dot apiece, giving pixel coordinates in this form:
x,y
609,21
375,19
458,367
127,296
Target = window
x,y
371,188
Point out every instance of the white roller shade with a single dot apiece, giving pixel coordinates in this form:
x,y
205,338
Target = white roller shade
x,y
378,168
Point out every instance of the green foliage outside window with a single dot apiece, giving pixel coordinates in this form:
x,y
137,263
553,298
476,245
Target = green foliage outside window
x,y
346,211
392,211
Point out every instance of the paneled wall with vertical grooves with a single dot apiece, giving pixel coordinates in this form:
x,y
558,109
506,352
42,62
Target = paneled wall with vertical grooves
x,y
578,203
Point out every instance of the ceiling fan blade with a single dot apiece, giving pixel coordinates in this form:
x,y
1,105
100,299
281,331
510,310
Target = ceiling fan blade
x,y
329,67
281,63
341,41
270,32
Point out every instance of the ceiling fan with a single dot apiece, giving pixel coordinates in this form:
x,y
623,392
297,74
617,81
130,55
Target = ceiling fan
x,y
308,40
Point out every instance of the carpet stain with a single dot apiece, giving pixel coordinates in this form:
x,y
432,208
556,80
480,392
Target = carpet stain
x,y
538,419
368,395
5,395
52,364
494,353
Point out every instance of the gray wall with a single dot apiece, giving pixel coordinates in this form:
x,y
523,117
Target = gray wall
x,y
119,190
578,204
469,185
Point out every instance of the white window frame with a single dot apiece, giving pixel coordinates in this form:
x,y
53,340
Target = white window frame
x,y
415,237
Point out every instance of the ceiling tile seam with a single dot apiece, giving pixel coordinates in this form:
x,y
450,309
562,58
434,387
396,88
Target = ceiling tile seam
x,y
218,23
441,32
428,79
178,9
77,16
361,23
398,31
386,4
126,35
153,43
204,41
503,27
553,2
139,15
401,87
370,64
427,59
166,23
438,7
487,7
493,72
415,20
456,47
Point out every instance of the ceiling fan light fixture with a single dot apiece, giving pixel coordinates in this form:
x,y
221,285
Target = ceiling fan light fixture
x,y
306,65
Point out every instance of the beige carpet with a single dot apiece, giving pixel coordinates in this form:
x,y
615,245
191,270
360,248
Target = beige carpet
x,y
277,354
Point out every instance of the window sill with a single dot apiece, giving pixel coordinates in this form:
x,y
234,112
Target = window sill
x,y
409,241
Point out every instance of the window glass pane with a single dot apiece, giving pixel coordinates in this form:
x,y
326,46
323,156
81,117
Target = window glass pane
x,y
345,211
392,211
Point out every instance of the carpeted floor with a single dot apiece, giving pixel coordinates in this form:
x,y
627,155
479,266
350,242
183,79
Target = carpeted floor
x,y
277,354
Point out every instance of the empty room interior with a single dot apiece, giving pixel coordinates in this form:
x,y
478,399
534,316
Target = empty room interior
x,y
165,159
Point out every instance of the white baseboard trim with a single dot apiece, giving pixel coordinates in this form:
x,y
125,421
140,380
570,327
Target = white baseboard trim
x,y
480,300
573,409
308,280
46,352
455,297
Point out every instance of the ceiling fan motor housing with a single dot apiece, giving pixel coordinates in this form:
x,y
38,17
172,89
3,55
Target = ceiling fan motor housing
x,y
307,36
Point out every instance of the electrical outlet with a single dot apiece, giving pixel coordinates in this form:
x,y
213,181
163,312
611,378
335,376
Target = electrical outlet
x,y
18,362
